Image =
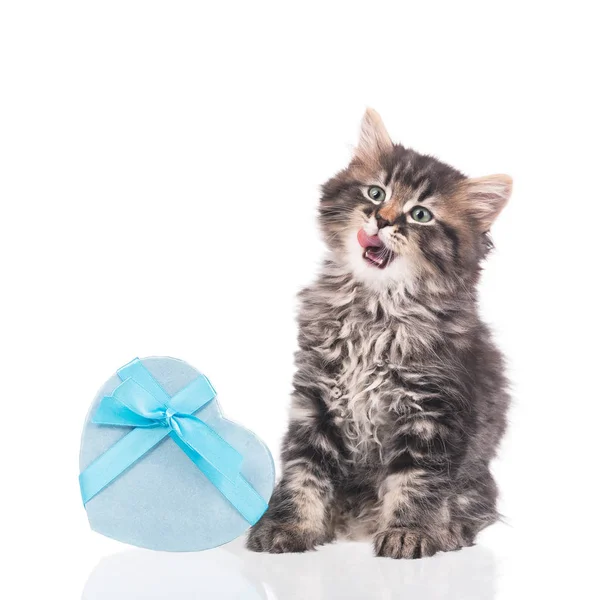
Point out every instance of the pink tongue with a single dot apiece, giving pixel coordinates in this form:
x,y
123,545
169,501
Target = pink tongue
x,y
368,241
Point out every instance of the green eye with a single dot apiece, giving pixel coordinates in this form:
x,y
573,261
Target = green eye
x,y
420,214
376,194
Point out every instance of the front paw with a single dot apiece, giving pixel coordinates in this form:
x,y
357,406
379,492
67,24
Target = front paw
x,y
404,543
271,536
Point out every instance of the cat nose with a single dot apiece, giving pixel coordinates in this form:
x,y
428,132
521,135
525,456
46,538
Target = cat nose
x,y
381,222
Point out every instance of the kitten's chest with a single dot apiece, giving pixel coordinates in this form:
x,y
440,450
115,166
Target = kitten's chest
x,y
369,392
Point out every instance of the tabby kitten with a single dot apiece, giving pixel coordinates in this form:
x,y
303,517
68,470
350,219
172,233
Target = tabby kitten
x,y
399,399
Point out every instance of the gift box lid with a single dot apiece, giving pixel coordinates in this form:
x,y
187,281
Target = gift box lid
x,y
164,500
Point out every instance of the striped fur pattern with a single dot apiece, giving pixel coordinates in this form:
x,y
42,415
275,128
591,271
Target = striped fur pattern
x,y
399,397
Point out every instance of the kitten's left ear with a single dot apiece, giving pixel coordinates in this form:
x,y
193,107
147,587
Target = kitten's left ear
x,y
374,139
487,196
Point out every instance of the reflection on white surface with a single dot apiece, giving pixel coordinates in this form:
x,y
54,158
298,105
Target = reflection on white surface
x,y
148,575
343,571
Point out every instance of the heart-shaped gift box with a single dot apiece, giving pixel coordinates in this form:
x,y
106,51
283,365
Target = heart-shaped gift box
x,y
161,468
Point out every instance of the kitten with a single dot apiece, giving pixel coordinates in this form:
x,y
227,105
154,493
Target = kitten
x,y
399,399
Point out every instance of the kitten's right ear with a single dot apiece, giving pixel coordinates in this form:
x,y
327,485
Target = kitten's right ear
x,y
486,197
374,139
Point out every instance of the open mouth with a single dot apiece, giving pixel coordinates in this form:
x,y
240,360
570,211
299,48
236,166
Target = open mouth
x,y
375,252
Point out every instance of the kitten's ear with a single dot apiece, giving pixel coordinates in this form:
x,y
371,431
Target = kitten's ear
x,y
374,138
487,196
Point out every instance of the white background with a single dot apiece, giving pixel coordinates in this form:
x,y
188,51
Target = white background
x,y
159,173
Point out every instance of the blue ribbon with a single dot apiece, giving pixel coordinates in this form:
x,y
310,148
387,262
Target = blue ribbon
x,y
140,402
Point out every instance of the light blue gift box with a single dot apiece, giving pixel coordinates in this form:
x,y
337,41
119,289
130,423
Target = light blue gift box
x,y
161,468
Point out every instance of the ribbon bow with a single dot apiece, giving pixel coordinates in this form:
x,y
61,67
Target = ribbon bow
x,y
140,402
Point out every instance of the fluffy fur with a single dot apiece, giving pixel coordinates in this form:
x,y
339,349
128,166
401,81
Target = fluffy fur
x,y
399,397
